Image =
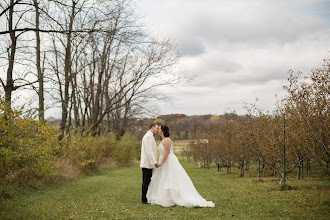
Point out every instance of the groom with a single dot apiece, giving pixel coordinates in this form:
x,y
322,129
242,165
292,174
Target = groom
x,y
148,158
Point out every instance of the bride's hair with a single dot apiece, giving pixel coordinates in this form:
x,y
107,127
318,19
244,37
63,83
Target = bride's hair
x,y
165,130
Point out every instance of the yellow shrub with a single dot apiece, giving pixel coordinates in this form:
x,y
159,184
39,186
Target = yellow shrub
x,y
93,152
124,150
27,147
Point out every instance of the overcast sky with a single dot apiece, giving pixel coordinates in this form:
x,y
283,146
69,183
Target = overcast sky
x,y
239,50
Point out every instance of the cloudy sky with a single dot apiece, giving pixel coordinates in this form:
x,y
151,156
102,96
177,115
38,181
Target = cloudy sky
x,y
239,50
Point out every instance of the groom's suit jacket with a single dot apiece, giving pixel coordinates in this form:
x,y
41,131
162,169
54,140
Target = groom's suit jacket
x,y
148,151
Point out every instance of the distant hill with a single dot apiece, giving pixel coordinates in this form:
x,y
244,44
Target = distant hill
x,y
171,117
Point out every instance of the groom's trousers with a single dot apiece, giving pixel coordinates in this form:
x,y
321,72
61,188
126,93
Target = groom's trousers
x,y
146,178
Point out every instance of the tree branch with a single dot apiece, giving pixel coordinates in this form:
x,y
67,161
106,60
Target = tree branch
x,y
56,31
10,6
26,84
3,84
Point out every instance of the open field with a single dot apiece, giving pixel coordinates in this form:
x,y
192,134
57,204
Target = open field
x,y
179,145
115,194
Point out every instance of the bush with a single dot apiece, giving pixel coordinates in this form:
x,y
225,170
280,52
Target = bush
x,y
90,153
30,153
125,150
27,147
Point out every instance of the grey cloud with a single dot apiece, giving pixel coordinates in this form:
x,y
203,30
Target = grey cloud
x,y
194,100
221,80
242,49
267,23
221,64
217,78
191,46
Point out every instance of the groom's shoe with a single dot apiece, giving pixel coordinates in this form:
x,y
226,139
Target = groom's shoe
x,y
145,200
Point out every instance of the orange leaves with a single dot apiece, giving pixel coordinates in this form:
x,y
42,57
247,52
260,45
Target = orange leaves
x,y
308,105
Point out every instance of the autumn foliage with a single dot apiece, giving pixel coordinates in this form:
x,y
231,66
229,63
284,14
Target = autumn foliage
x,y
27,146
32,155
259,135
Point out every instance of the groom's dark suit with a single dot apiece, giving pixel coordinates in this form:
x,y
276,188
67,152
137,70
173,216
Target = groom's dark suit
x,y
146,178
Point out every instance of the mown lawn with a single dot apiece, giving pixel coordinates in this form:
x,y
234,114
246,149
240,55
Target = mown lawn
x,y
115,194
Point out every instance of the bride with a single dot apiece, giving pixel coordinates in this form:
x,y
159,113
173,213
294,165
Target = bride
x,y
170,184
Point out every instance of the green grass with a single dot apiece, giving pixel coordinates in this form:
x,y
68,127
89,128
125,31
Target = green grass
x,y
115,194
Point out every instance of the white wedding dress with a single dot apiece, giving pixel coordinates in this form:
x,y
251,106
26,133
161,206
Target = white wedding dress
x,y
170,185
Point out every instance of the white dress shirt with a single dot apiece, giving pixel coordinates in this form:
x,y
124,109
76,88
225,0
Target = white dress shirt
x,y
148,151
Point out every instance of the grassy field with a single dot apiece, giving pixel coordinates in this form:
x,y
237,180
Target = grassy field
x,y
115,194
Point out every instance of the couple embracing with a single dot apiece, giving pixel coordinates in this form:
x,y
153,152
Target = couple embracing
x,y
169,185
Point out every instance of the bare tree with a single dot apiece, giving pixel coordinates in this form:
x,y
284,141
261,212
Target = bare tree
x,y
13,13
101,62
38,63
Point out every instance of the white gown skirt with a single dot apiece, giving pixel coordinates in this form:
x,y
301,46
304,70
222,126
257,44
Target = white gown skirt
x,y
170,185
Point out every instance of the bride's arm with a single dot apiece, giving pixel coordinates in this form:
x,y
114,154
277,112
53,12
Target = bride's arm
x,y
167,146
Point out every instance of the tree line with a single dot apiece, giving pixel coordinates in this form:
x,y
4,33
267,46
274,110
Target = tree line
x,y
300,123
93,59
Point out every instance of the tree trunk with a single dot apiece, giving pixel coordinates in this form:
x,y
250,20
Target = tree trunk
x,y
302,169
220,164
308,167
299,171
242,169
38,63
100,81
67,74
282,178
229,168
75,102
9,87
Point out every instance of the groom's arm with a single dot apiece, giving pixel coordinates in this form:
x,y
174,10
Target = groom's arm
x,y
150,154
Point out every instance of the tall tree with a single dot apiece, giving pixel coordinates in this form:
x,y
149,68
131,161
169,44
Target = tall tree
x,y
41,108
